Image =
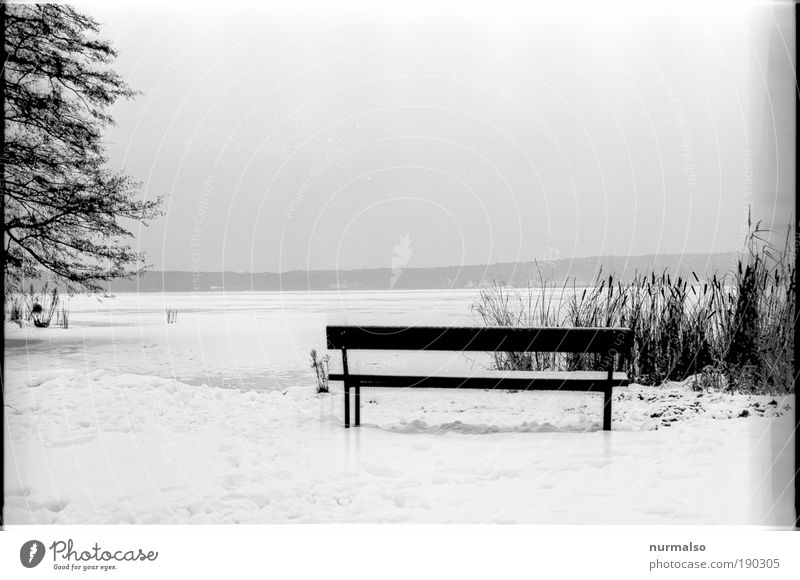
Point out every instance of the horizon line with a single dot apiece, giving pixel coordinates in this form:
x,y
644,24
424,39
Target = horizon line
x,y
375,268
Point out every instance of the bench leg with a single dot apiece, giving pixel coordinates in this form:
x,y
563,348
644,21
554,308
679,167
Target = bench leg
x,y
346,407
357,403
607,409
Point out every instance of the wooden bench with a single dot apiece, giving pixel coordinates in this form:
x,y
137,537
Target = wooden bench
x,y
608,342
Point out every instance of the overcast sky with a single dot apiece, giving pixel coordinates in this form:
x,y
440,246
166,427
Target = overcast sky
x,y
349,136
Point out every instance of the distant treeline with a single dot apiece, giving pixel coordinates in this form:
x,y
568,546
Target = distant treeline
x,y
581,270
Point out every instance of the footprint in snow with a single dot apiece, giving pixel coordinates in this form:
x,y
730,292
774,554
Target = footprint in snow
x,y
380,471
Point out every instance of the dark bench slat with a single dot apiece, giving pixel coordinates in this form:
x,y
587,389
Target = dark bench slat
x,y
511,381
489,339
610,342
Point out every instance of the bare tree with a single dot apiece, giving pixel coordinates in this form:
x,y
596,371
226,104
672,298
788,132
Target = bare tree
x,y
64,209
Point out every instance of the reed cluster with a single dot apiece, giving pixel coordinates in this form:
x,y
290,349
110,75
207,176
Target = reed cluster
x,y
729,331
36,307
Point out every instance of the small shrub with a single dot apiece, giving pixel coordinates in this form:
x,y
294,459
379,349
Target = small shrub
x,y
43,307
321,366
711,378
15,309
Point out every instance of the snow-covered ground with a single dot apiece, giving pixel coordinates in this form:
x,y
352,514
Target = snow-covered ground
x,y
100,430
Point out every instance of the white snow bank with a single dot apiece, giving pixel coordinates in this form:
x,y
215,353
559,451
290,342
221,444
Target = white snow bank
x,y
102,447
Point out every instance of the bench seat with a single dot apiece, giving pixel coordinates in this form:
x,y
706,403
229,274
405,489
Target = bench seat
x,y
607,343
488,379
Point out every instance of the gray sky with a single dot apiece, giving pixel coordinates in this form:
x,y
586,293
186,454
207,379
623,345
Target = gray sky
x,y
449,133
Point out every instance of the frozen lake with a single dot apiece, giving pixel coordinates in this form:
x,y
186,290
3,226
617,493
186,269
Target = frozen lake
x,y
258,340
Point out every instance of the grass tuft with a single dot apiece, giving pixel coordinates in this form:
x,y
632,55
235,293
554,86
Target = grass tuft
x,y
321,366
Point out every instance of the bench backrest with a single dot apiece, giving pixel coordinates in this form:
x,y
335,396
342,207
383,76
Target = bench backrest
x,y
482,338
